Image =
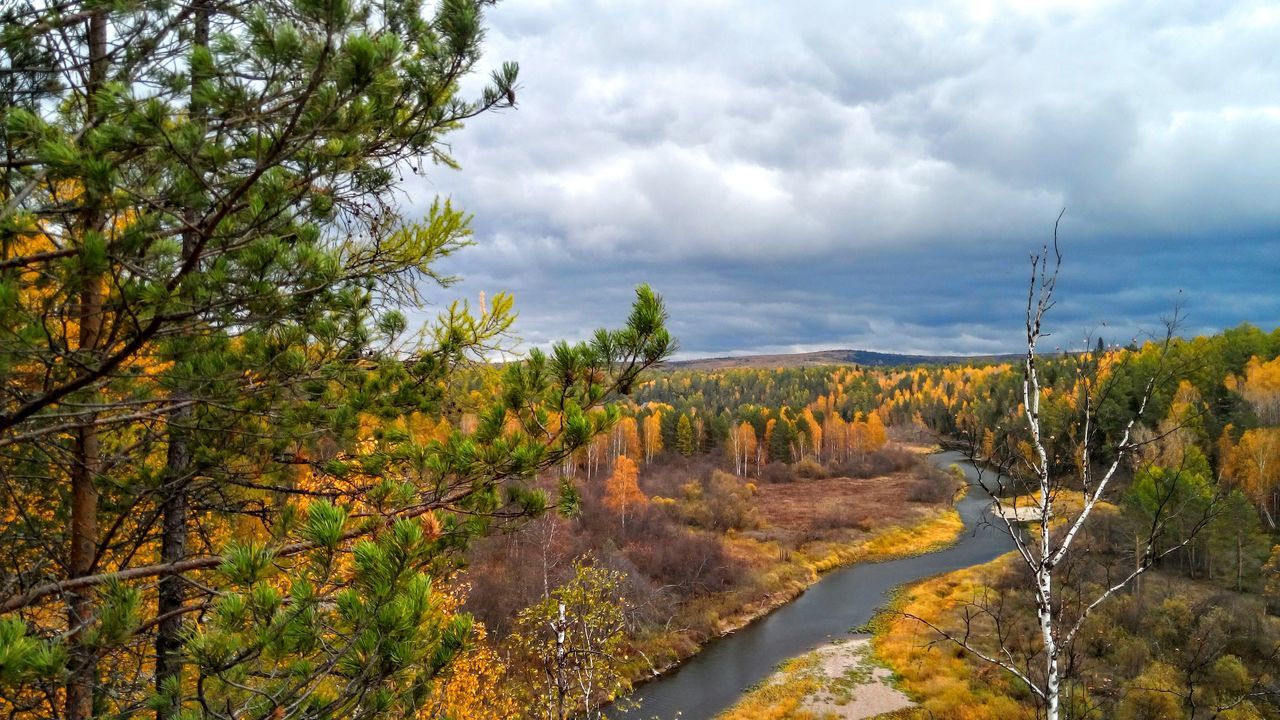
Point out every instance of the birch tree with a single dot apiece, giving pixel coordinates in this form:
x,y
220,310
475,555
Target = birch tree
x,y
571,646
1055,480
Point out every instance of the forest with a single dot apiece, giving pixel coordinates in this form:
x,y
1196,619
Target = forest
x,y
251,466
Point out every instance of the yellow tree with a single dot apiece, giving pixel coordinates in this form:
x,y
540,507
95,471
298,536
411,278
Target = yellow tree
x,y
742,446
876,436
596,453
627,438
1256,466
835,436
1271,578
859,435
622,492
1260,387
471,688
652,435
814,432
1168,442
988,444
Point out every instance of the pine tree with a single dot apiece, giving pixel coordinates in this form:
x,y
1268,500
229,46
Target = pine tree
x,y
684,436
197,250
780,441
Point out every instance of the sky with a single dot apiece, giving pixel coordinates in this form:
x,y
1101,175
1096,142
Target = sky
x,y
873,175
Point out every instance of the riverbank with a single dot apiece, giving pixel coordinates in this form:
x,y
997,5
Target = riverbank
x,y
939,677
1141,652
839,681
842,599
784,565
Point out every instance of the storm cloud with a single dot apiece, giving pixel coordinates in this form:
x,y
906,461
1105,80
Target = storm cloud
x,y
874,174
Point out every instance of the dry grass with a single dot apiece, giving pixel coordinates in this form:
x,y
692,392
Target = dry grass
x,y
938,674
809,527
933,530
808,506
778,576
781,697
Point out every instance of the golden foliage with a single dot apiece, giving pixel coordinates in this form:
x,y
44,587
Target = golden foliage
x,y
941,677
934,532
622,490
1260,387
472,687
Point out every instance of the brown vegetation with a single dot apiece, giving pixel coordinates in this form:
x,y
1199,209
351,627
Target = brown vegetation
x,y
712,551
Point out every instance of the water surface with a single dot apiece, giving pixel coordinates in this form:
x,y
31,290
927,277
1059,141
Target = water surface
x,y
844,599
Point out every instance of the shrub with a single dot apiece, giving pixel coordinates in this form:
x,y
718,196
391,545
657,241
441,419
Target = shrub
x,y
886,460
810,469
1153,695
776,472
723,502
932,486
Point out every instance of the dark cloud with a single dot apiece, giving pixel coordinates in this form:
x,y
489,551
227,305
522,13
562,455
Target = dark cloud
x,y
874,174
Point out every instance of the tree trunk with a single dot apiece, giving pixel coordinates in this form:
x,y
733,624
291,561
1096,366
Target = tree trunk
x,y
1239,563
1137,565
1044,611
173,540
173,548
82,675
84,537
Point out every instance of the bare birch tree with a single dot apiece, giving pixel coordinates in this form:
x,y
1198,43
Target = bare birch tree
x,y
1053,486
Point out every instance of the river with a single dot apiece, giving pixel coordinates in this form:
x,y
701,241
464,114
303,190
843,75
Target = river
x,y
844,599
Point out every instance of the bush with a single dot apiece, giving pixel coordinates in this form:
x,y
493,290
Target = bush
x,y
721,503
933,486
776,472
1153,695
886,460
694,563
809,469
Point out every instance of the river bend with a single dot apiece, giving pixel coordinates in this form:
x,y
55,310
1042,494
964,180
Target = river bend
x,y
844,599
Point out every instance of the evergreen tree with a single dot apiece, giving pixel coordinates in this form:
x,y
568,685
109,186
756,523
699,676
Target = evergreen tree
x,y
684,436
780,440
203,387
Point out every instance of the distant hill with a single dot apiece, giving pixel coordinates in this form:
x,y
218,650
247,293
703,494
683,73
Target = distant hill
x,y
830,357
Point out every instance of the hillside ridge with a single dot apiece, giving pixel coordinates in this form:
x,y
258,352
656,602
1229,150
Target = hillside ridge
x,y
819,358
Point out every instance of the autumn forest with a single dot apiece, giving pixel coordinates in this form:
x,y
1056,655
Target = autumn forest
x,y
260,460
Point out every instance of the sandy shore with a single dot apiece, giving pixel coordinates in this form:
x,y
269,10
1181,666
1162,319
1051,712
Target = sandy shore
x,y
839,681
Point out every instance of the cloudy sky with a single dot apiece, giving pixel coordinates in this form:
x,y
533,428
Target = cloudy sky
x,y
796,176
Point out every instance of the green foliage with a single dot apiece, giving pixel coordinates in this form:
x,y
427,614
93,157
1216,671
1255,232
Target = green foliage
x,y
377,622
1158,492
684,436
571,646
201,244
24,658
